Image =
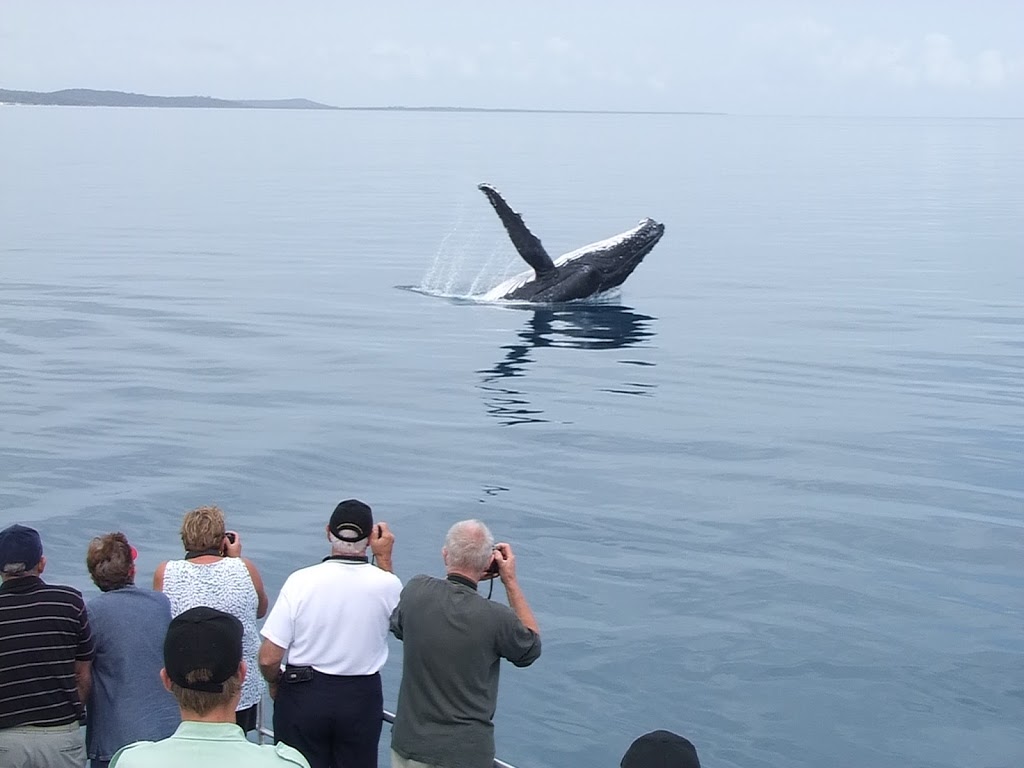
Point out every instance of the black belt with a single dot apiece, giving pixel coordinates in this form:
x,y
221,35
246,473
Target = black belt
x,y
296,674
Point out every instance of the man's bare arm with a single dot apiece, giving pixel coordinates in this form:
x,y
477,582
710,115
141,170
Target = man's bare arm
x,y
382,542
83,679
516,599
517,602
270,658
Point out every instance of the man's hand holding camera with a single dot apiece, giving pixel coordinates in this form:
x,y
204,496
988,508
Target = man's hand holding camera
x,y
382,542
504,562
503,565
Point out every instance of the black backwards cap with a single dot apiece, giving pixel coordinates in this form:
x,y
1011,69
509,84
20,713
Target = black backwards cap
x,y
203,639
660,749
351,520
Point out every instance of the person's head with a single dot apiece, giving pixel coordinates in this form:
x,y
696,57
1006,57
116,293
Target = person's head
x,y
468,548
203,528
203,664
21,552
111,561
349,528
660,749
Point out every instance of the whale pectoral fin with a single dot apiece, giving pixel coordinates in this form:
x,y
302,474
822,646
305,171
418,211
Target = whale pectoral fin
x,y
523,239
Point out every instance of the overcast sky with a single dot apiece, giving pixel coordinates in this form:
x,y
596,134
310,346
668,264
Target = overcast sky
x,y
900,57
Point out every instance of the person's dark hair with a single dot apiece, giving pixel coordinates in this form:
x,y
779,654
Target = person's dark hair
x,y
110,563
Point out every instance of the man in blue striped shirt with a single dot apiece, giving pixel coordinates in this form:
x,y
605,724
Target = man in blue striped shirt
x,y
46,652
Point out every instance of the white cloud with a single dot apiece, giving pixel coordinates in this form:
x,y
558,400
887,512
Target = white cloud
x,y
612,74
555,61
785,32
993,69
557,45
871,58
940,63
657,82
931,61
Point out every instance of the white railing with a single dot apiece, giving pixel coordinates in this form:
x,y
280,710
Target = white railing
x,y
389,717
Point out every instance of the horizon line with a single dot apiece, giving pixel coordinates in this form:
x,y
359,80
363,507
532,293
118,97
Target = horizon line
x,y
263,103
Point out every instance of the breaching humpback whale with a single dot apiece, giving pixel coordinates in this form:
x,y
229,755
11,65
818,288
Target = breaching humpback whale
x,y
587,271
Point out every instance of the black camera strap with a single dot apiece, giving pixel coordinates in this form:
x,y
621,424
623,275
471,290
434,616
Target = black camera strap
x,y
193,554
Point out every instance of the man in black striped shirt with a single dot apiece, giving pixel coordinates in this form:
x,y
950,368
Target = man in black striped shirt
x,y
46,653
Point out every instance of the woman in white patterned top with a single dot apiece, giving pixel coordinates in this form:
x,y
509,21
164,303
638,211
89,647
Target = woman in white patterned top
x,y
214,574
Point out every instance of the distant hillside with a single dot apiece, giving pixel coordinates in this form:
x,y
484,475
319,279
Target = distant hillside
x,y
84,97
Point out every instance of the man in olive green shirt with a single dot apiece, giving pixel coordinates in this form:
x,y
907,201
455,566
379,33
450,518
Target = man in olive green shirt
x,y
454,642
203,668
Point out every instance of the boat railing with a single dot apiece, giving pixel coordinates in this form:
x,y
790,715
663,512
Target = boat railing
x,y
389,717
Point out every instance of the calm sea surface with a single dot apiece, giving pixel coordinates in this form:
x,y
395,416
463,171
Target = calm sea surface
x,y
770,496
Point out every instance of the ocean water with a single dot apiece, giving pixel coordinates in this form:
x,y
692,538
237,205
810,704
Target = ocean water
x,y
769,496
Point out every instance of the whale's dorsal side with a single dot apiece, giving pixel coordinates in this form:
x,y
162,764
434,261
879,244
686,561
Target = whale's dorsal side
x,y
527,243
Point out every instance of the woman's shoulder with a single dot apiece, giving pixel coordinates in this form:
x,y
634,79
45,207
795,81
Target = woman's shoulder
x,y
170,566
231,569
223,564
239,564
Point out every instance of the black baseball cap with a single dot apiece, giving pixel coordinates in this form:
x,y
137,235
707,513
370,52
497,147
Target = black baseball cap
x,y
203,639
352,520
661,749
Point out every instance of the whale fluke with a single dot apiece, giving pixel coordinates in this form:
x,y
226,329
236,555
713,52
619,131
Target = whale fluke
x,y
527,243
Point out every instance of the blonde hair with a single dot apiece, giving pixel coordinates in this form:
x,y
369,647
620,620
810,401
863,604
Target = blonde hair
x,y
202,528
203,702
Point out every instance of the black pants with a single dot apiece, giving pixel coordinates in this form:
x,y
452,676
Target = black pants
x,y
246,718
335,722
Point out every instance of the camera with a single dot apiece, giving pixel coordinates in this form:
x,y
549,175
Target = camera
x,y
230,536
492,569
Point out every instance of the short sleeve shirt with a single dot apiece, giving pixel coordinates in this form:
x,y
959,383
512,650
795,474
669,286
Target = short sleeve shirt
x,y
454,640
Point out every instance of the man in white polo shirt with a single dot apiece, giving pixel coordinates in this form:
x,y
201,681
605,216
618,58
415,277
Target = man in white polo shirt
x,y
329,627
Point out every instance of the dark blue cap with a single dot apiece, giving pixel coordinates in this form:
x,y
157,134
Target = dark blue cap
x,y
20,544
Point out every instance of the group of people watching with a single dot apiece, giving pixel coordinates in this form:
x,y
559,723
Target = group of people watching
x,y
174,675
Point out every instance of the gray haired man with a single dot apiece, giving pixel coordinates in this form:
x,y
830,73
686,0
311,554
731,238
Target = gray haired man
x,y
329,628
454,641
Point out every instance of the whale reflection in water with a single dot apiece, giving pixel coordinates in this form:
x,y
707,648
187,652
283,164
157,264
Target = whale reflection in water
x,y
582,326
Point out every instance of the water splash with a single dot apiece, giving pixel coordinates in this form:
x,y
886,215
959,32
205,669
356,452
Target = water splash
x,y
471,261
457,270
